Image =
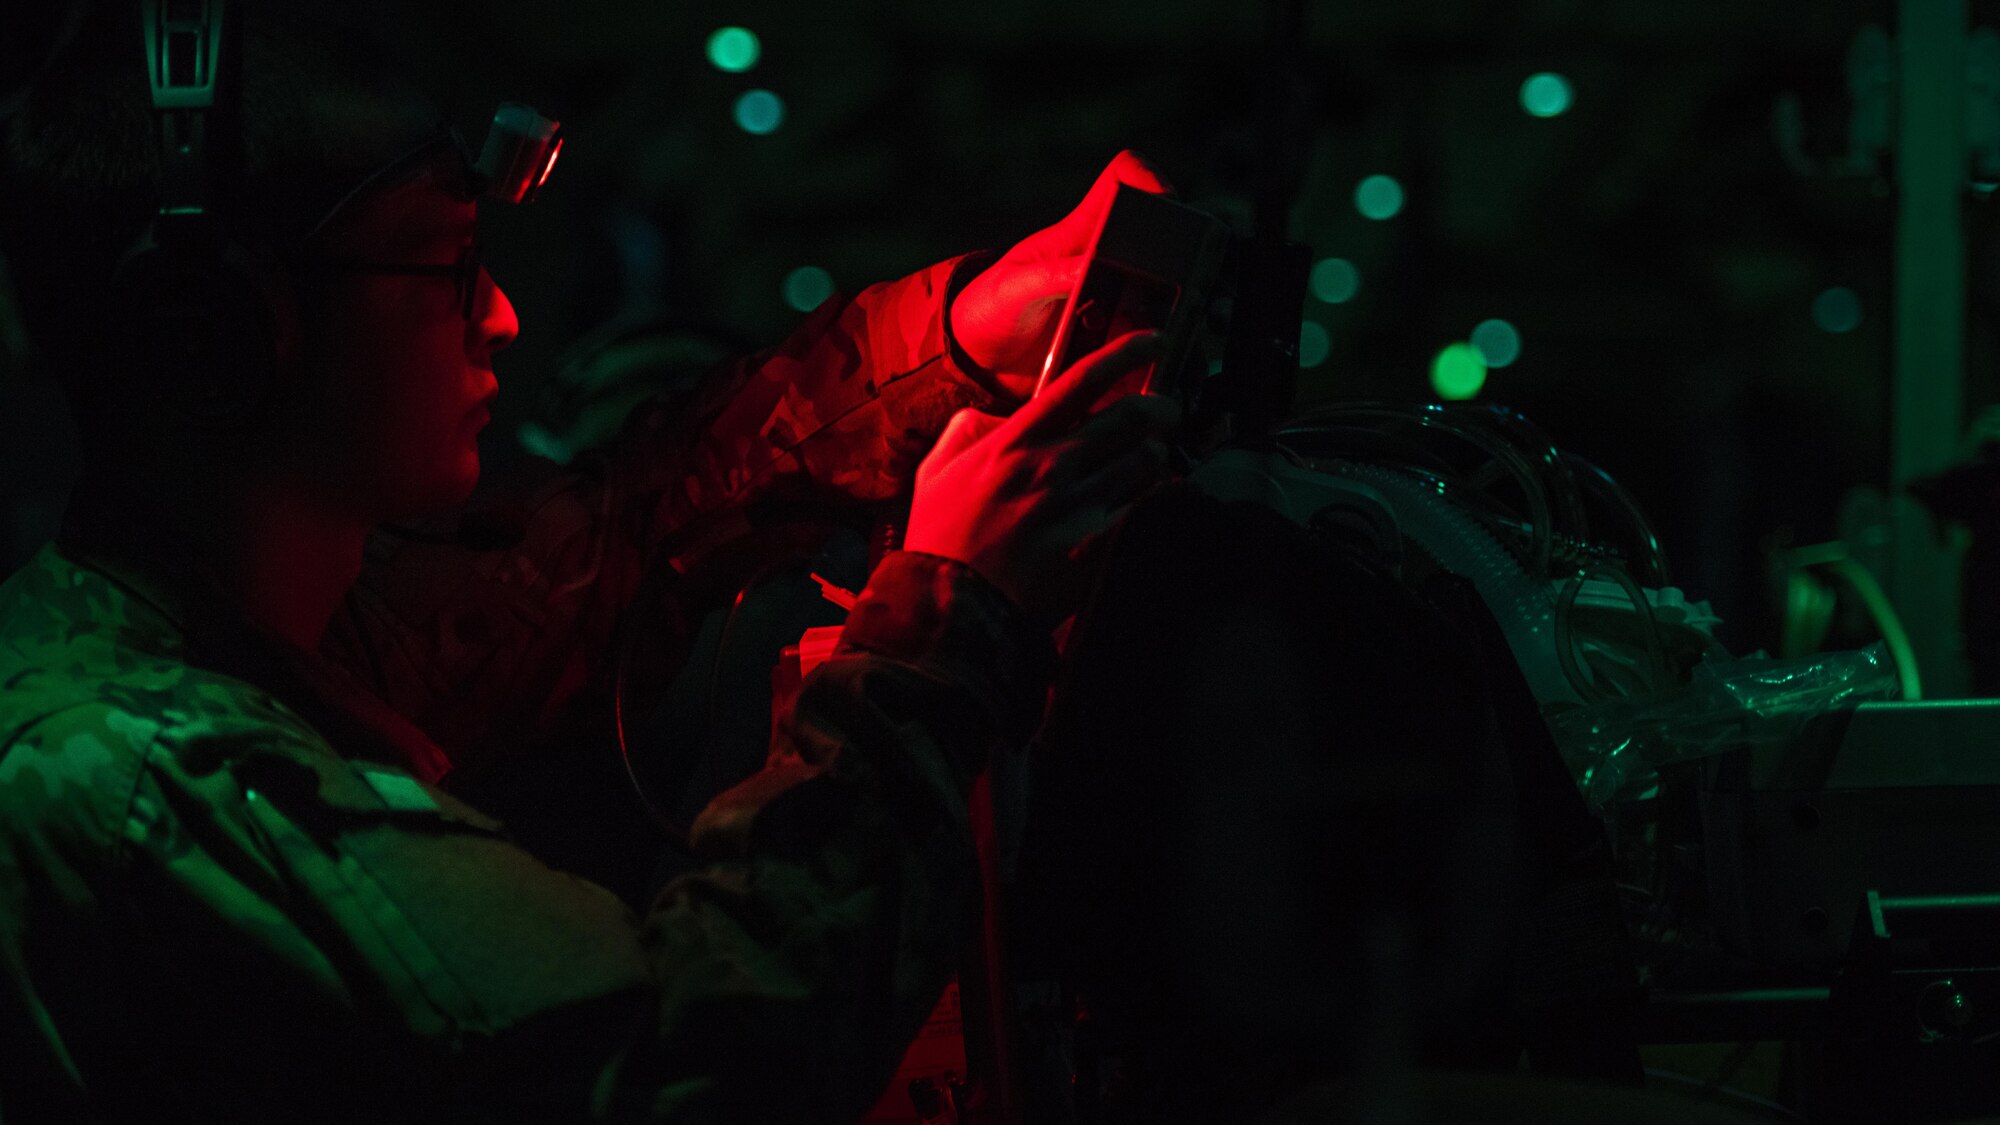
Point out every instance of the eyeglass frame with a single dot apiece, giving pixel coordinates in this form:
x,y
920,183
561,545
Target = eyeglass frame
x,y
465,271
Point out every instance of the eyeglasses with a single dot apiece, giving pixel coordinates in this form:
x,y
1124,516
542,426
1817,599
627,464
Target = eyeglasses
x,y
465,272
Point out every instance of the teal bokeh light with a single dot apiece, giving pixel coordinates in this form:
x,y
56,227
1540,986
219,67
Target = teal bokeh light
x,y
1335,280
734,49
760,112
1498,342
1546,94
1378,197
1315,344
807,288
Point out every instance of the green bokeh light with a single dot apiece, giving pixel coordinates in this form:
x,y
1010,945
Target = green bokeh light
x,y
1458,372
1378,197
1498,342
1335,280
1314,344
760,112
734,49
1837,310
807,288
1546,94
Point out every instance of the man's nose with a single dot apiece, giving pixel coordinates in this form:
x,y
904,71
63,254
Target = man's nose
x,y
494,325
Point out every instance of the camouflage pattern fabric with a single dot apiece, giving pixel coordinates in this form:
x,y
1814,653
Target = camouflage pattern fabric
x,y
486,649
221,902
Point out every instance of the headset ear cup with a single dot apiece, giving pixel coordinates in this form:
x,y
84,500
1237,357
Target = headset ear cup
x,y
208,330
253,325
273,307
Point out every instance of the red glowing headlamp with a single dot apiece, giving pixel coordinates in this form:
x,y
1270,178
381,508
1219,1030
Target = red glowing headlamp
x,y
520,151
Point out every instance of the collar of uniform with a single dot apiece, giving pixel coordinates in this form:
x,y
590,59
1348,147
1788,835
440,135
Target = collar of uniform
x,y
152,619
191,619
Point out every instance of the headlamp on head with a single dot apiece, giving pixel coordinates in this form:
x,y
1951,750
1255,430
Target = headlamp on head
x,y
521,149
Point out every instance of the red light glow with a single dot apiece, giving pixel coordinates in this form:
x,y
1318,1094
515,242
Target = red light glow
x,y
551,165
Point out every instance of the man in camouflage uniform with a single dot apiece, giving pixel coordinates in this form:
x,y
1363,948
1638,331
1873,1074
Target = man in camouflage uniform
x,y
231,886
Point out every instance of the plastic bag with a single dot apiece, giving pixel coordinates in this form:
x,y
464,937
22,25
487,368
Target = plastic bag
x,y
1615,748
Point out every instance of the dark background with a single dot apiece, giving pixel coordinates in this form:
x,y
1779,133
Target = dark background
x,y
1659,246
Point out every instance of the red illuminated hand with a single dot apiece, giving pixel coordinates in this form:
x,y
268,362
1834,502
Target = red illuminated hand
x,y
1020,498
1005,319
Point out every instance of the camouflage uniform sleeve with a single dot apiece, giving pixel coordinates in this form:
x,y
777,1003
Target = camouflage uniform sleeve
x,y
213,917
484,649
841,883
209,914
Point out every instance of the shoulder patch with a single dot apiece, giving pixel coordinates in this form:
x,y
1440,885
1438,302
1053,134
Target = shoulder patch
x,y
400,792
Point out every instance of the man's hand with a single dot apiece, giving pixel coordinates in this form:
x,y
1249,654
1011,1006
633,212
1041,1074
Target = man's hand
x,y
1020,498
1005,319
